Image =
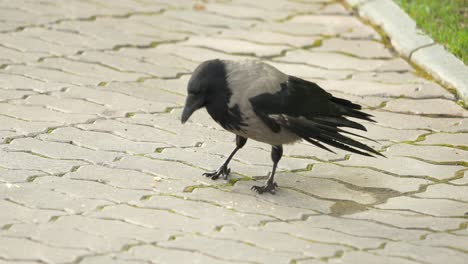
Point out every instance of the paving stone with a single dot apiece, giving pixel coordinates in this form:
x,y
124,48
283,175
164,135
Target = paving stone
x,y
168,254
9,177
408,219
59,236
286,197
304,230
149,92
212,161
99,140
127,64
208,20
164,168
22,41
310,72
235,46
23,249
363,88
431,153
17,214
362,228
372,102
29,161
394,120
37,113
119,104
13,55
232,250
463,180
197,210
425,254
112,228
324,188
383,134
57,150
249,155
300,29
65,105
278,241
244,202
91,70
442,191
427,107
175,25
441,240
408,167
288,6
17,127
199,54
369,258
153,218
40,196
177,86
269,37
335,61
365,178
123,179
86,189
244,12
19,81
359,48
446,139
53,75
437,207
390,77
107,259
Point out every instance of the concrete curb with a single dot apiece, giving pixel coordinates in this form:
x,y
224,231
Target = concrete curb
x,y
413,44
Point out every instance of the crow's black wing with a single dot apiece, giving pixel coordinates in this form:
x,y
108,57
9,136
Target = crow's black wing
x,y
313,114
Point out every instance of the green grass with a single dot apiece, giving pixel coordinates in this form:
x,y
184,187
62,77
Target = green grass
x,y
446,21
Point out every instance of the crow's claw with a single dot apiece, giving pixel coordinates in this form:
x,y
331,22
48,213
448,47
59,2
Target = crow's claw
x,y
271,188
223,171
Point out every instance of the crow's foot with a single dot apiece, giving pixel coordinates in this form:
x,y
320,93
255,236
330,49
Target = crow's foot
x,y
223,171
270,187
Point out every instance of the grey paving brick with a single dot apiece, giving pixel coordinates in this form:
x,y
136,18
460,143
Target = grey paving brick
x,y
407,219
27,250
427,107
305,230
426,254
437,207
447,139
366,88
358,48
100,140
230,249
407,166
335,61
168,254
365,178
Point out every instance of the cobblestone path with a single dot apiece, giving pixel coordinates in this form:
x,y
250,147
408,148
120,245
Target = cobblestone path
x,y
95,166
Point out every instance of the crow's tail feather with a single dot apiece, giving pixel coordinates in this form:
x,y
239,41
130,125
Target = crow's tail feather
x,y
320,131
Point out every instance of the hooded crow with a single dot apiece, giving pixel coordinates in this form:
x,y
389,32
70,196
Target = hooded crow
x,y
255,100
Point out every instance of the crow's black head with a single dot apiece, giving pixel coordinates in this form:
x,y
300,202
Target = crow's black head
x,y
206,81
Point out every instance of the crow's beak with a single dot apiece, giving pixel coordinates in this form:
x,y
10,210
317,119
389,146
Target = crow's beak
x,y
192,104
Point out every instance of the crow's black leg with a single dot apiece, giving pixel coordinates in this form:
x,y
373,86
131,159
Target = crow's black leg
x,y
224,171
276,153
